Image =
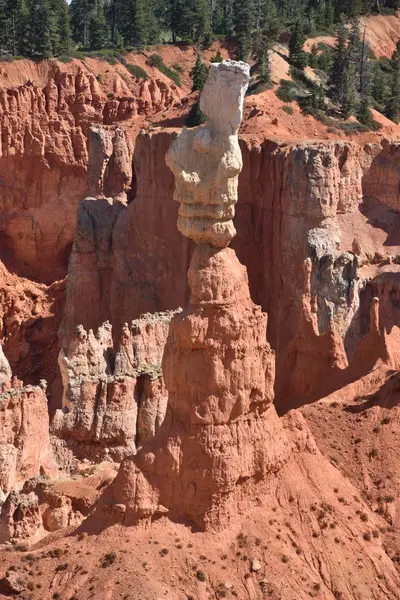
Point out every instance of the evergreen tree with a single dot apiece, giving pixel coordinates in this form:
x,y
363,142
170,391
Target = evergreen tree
x,y
13,27
353,8
364,114
199,74
40,26
137,22
61,34
193,20
99,33
222,17
80,15
339,64
313,59
348,100
379,92
393,103
356,52
217,58
196,116
329,15
297,55
244,14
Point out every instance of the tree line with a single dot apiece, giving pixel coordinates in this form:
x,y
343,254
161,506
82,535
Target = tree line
x,y
45,28
352,80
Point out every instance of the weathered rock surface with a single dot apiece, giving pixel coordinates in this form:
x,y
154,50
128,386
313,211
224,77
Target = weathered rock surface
x,y
219,372
30,315
44,158
114,396
309,201
25,449
206,161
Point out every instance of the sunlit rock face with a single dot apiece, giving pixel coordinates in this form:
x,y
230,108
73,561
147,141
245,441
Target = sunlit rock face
x,y
207,160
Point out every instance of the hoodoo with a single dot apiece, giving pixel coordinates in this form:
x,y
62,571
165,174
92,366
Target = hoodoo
x,y
217,365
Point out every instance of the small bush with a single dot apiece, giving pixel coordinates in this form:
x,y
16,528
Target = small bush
x,y
137,71
367,536
288,109
64,58
177,68
108,559
200,576
156,61
99,78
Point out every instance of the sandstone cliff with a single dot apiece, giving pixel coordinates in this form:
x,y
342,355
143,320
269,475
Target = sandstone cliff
x,y
310,201
114,396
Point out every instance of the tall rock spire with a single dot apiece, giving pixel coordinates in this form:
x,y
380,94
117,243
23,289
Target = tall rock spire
x,y
218,366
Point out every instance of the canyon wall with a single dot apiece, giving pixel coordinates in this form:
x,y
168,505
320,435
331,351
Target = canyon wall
x,y
45,115
317,201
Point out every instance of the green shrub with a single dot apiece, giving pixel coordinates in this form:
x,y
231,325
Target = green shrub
x,y
137,71
288,109
290,90
178,68
64,58
156,61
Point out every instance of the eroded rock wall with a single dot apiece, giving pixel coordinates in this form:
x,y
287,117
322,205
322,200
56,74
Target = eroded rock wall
x,y
314,201
114,397
44,156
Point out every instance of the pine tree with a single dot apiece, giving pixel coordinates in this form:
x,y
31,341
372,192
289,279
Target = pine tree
x,y
297,55
356,52
199,74
99,33
348,101
194,21
217,58
379,86
61,34
196,116
13,27
313,59
40,28
137,22
3,30
244,13
393,104
222,17
329,15
353,8
339,65
80,15
264,67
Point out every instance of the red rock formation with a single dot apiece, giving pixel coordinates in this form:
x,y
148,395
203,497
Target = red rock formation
x,y
25,443
43,156
296,202
114,400
30,315
219,372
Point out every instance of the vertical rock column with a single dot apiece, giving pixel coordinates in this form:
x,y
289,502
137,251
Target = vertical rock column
x,y
217,365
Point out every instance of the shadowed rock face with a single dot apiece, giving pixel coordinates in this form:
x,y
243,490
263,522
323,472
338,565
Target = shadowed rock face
x,y
25,449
